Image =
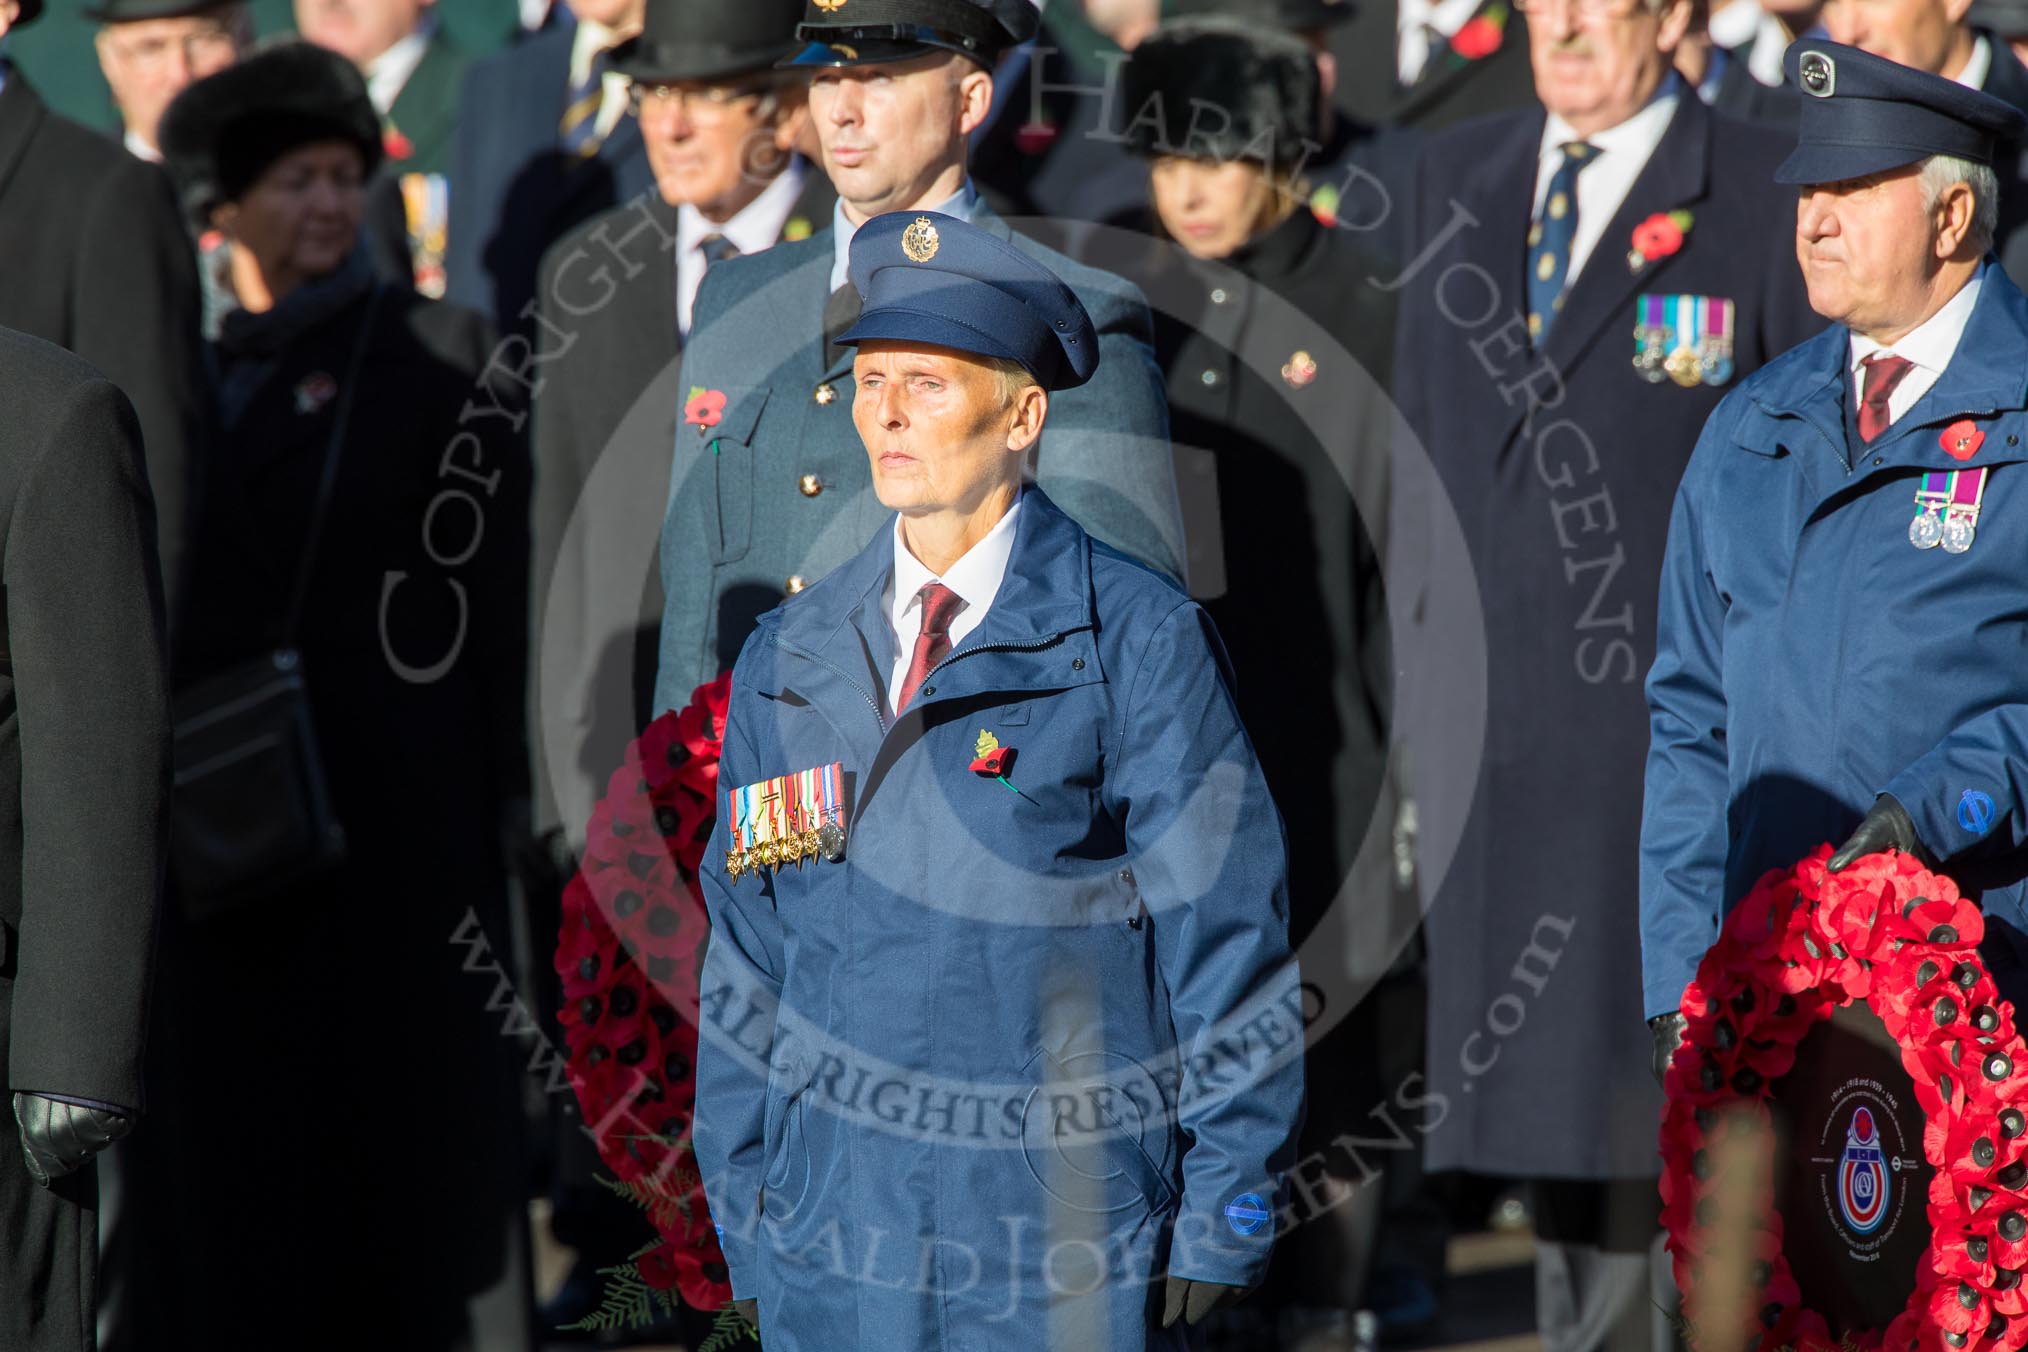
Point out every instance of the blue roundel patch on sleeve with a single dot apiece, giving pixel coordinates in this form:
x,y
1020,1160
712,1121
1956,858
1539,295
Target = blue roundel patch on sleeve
x,y
1975,811
1246,1213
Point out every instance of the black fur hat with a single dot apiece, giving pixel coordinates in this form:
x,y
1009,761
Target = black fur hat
x,y
1213,87
220,134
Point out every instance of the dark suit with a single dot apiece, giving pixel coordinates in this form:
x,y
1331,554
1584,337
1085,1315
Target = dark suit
x,y
1450,87
517,192
608,404
84,792
1522,718
1741,96
1568,603
97,260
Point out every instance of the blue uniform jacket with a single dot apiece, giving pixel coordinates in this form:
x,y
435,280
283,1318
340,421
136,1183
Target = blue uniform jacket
x,y
974,1084
778,492
1811,658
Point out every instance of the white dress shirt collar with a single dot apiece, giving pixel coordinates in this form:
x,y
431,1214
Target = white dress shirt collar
x,y
1978,65
388,72
976,578
139,148
1930,345
1770,43
1417,23
1734,23
963,204
1622,152
754,227
586,42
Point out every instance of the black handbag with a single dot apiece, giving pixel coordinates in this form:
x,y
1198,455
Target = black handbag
x,y
252,813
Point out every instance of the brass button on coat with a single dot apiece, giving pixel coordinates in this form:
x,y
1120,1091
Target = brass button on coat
x,y
810,485
795,584
826,392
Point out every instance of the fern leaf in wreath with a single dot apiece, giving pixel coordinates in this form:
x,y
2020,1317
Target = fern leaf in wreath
x,y
728,1331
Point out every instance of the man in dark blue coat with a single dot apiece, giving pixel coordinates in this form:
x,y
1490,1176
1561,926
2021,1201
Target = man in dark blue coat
x,y
543,144
1592,279
770,488
1001,1044
1841,634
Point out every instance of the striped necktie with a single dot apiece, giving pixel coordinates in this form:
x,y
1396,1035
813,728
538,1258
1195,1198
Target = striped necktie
x,y
1549,240
578,131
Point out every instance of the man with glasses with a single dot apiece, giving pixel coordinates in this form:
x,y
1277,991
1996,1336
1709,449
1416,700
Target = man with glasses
x,y
771,487
1592,277
150,49
616,296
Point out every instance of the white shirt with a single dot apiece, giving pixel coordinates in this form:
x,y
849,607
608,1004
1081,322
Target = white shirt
x,y
975,577
755,226
962,204
1770,43
1930,345
1623,152
1415,21
1978,65
1734,23
140,149
587,42
388,72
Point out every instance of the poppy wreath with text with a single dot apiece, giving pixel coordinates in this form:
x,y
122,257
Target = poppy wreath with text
x,y
632,938
1804,942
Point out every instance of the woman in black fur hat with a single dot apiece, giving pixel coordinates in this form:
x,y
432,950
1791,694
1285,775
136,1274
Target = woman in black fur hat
x,y
332,1157
1278,353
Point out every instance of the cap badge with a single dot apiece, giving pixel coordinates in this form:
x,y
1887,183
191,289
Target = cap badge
x,y
1819,74
829,6
920,241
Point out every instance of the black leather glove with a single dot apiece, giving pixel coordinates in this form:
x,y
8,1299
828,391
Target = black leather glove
x,y
1668,1030
59,1137
1885,827
749,1310
1191,1301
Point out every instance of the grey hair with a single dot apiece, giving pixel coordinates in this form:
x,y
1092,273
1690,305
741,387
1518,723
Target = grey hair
x,y
1939,172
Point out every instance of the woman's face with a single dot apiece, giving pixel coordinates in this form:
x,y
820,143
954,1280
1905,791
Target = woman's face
x,y
1208,207
300,218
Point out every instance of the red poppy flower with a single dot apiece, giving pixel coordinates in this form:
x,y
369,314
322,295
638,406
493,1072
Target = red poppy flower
x,y
1962,439
994,762
1657,237
394,144
1032,138
705,408
1478,39
658,1267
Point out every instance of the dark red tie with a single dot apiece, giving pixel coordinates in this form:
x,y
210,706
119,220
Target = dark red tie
x,y
1883,373
940,605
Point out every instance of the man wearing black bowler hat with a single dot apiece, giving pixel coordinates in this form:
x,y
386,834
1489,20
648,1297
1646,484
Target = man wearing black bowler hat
x,y
778,492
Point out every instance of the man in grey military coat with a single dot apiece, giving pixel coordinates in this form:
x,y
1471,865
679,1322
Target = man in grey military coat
x,y
770,486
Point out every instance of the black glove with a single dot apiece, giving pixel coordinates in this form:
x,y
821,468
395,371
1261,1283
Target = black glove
x,y
1191,1300
1885,827
749,1310
1668,1030
59,1137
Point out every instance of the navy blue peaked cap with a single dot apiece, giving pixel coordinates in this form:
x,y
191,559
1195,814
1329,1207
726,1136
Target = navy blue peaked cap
x,y
1863,114
924,277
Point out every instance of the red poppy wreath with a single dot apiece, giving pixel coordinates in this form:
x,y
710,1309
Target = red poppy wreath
x,y
1804,943
632,935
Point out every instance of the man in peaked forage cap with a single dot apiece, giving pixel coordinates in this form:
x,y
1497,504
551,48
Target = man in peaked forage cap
x,y
1592,277
770,487
989,744
1839,655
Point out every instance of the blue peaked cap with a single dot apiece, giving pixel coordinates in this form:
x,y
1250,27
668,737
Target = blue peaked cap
x,y
924,277
1863,114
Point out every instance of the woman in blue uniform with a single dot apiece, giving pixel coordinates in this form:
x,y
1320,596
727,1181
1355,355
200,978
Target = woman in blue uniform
x,y
1002,1034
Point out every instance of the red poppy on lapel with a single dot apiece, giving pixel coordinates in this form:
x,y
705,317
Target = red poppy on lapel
x,y
705,408
397,146
1962,439
1658,237
1482,34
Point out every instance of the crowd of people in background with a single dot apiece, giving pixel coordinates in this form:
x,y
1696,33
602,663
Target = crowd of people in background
x,y
410,299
